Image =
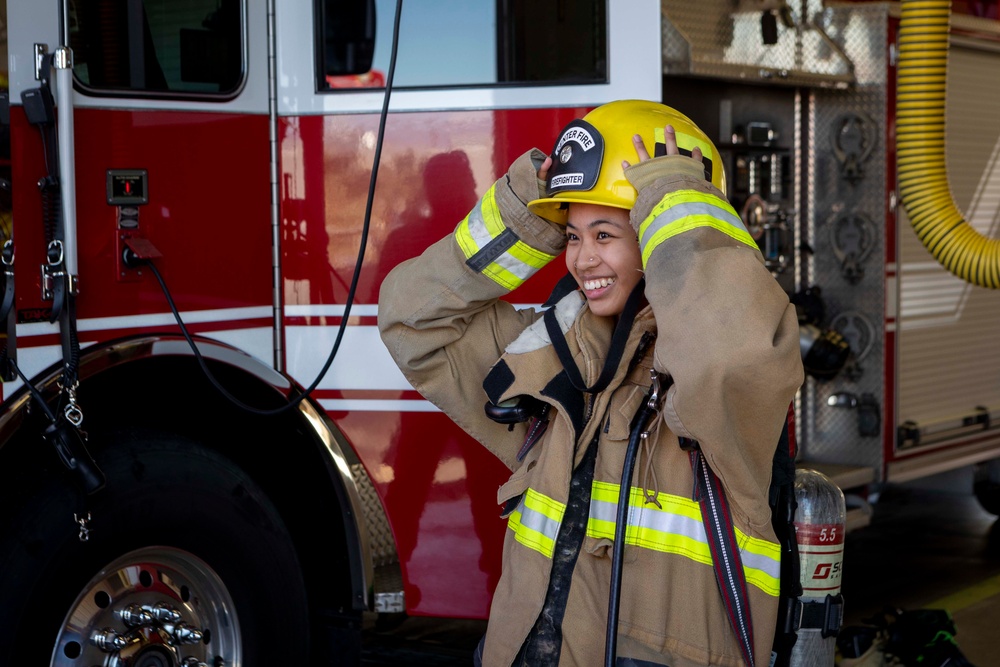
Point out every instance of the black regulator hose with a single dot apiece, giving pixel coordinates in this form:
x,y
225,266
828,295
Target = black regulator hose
x,y
649,408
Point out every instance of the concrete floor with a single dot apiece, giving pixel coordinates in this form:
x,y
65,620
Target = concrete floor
x,y
929,546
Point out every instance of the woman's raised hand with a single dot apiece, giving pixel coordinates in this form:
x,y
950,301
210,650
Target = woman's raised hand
x,y
669,140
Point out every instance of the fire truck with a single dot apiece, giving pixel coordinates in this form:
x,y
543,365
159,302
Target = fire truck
x,y
206,455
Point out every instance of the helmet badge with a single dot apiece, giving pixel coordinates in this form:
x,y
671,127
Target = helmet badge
x,y
576,159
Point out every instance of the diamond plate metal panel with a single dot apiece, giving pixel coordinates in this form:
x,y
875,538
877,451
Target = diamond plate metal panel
x,y
723,39
845,205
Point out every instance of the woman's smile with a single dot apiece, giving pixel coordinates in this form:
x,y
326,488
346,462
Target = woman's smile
x,y
602,253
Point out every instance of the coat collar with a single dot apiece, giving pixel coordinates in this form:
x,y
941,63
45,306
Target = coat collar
x,y
530,365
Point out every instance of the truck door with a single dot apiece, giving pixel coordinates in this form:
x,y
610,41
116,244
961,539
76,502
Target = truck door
x,y
181,557
170,99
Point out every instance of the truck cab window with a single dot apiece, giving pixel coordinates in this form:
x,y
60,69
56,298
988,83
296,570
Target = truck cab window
x,y
461,43
159,47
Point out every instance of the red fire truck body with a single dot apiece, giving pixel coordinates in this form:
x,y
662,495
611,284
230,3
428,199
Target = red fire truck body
x,y
249,193
216,157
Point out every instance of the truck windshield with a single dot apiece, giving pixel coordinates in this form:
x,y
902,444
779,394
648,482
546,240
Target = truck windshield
x,y
462,43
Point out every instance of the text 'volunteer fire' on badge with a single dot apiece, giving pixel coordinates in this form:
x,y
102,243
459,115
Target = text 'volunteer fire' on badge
x,y
576,159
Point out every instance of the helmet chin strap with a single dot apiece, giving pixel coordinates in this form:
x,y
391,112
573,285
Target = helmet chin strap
x,y
618,339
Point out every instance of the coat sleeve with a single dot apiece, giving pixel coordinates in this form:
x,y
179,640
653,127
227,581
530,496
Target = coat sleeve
x,y
440,314
727,333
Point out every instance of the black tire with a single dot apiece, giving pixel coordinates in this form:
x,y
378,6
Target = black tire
x,y
986,485
171,502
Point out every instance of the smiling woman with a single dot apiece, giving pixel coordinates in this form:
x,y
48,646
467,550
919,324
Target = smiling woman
x,y
587,189
602,254
669,285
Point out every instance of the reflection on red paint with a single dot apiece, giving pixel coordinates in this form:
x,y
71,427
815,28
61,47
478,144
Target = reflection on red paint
x,y
438,485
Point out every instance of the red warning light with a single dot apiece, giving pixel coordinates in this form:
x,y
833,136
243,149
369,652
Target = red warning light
x,y
127,187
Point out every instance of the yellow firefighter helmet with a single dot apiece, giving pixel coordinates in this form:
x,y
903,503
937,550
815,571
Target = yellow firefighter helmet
x,y
587,158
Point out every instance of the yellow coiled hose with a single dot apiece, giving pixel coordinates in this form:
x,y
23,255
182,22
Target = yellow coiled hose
x,y
920,160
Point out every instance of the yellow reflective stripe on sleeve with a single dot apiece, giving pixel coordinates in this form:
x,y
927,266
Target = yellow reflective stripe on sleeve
x,y
678,529
536,522
491,212
685,210
493,249
464,237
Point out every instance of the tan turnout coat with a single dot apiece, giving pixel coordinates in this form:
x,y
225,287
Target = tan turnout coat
x,y
727,336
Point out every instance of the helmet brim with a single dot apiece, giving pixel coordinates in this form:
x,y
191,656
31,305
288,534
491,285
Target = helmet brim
x,y
556,209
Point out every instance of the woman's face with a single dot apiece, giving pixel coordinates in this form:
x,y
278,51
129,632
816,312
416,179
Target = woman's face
x,y
602,253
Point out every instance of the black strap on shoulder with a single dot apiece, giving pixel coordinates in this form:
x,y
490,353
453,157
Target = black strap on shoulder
x,y
615,352
564,286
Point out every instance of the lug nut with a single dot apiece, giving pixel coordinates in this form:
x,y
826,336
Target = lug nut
x,y
108,640
134,615
185,634
163,612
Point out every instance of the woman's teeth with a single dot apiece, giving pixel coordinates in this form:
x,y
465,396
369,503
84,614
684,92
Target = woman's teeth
x,y
597,284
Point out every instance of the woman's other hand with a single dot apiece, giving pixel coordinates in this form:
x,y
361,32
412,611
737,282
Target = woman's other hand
x,y
669,140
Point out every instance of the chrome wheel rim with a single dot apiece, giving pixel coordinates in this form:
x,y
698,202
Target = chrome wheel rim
x,y
152,607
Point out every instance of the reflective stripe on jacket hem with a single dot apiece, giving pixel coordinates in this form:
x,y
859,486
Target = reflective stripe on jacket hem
x,y
675,528
536,522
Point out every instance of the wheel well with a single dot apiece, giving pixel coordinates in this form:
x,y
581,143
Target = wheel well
x,y
171,395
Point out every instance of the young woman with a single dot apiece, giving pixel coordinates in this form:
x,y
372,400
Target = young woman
x,y
667,279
